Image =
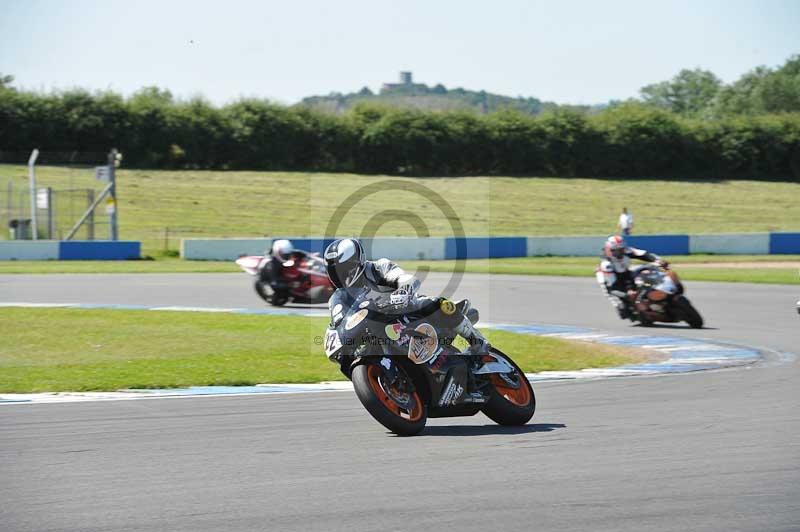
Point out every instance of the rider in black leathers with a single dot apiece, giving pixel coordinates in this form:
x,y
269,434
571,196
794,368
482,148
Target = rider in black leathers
x,y
348,268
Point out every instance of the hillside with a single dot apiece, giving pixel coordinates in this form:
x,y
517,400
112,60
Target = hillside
x,y
408,94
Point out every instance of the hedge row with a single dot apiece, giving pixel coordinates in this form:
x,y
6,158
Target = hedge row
x,y
630,140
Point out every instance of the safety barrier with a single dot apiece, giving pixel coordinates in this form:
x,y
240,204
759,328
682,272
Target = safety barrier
x,y
69,250
232,248
784,243
409,248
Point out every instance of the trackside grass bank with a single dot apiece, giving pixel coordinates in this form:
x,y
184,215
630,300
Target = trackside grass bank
x,y
158,207
81,350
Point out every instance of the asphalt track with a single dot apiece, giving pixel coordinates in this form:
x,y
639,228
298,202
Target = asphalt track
x,y
707,451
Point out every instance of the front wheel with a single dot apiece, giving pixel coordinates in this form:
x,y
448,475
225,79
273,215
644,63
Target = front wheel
x,y
512,402
266,292
689,313
395,404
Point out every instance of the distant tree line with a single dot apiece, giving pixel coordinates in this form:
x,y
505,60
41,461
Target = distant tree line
x,y
699,93
658,138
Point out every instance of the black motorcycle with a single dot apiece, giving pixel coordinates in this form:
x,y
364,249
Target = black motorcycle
x,y
405,369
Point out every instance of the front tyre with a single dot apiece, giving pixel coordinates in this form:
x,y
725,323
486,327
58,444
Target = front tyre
x,y
689,313
512,402
395,405
263,290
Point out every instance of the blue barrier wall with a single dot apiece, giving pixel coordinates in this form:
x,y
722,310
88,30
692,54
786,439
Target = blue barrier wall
x,y
485,247
314,245
99,250
784,243
410,248
661,244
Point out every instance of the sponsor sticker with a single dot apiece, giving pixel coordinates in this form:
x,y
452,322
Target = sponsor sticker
x,y
393,330
421,350
447,307
439,361
451,393
355,319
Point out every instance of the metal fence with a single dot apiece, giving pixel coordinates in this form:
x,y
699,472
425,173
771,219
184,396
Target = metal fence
x,y
57,211
62,197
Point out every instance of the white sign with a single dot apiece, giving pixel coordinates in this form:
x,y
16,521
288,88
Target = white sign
x,y
102,173
41,199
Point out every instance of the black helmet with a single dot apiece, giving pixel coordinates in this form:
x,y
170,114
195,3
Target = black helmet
x,y
345,262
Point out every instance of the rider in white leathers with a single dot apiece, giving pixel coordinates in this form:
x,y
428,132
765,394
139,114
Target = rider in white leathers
x,y
614,274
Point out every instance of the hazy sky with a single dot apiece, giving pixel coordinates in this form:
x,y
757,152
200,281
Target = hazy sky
x,y
565,51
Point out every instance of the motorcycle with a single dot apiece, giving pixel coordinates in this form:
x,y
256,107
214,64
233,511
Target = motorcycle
x,y
302,278
405,369
658,296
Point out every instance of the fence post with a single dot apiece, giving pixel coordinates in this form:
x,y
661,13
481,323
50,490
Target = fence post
x,y
32,181
90,219
112,176
50,217
10,202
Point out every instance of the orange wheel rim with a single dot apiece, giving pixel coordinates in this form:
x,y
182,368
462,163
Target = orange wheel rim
x,y
415,414
520,396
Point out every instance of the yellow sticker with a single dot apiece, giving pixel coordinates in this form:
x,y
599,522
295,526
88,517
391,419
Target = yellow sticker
x,y
447,306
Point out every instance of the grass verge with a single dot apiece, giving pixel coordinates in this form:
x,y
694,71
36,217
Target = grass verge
x,y
689,268
163,265
743,268
83,350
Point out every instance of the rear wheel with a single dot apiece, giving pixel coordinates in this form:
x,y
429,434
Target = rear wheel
x,y
688,312
395,404
512,401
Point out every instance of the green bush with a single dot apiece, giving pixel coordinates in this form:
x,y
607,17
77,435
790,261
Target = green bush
x,y
628,140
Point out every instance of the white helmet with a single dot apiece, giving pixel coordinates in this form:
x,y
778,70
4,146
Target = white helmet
x,y
281,249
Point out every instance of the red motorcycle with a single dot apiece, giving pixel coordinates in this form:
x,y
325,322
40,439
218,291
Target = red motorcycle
x,y
300,279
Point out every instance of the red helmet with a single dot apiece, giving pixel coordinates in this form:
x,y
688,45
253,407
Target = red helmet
x,y
614,248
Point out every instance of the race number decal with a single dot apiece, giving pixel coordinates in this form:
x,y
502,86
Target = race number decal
x,y
332,342
421,350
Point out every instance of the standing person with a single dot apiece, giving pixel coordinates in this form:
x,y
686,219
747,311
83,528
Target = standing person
x,y
625,223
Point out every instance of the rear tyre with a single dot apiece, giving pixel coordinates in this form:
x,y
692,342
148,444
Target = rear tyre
x,y
512,401
398,408
689,313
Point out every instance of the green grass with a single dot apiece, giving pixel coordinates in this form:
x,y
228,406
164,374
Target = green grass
x,y
585,267
689,267
166,265
81,350
227,204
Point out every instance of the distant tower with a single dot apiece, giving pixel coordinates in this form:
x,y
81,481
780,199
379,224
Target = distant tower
x,y
405,78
